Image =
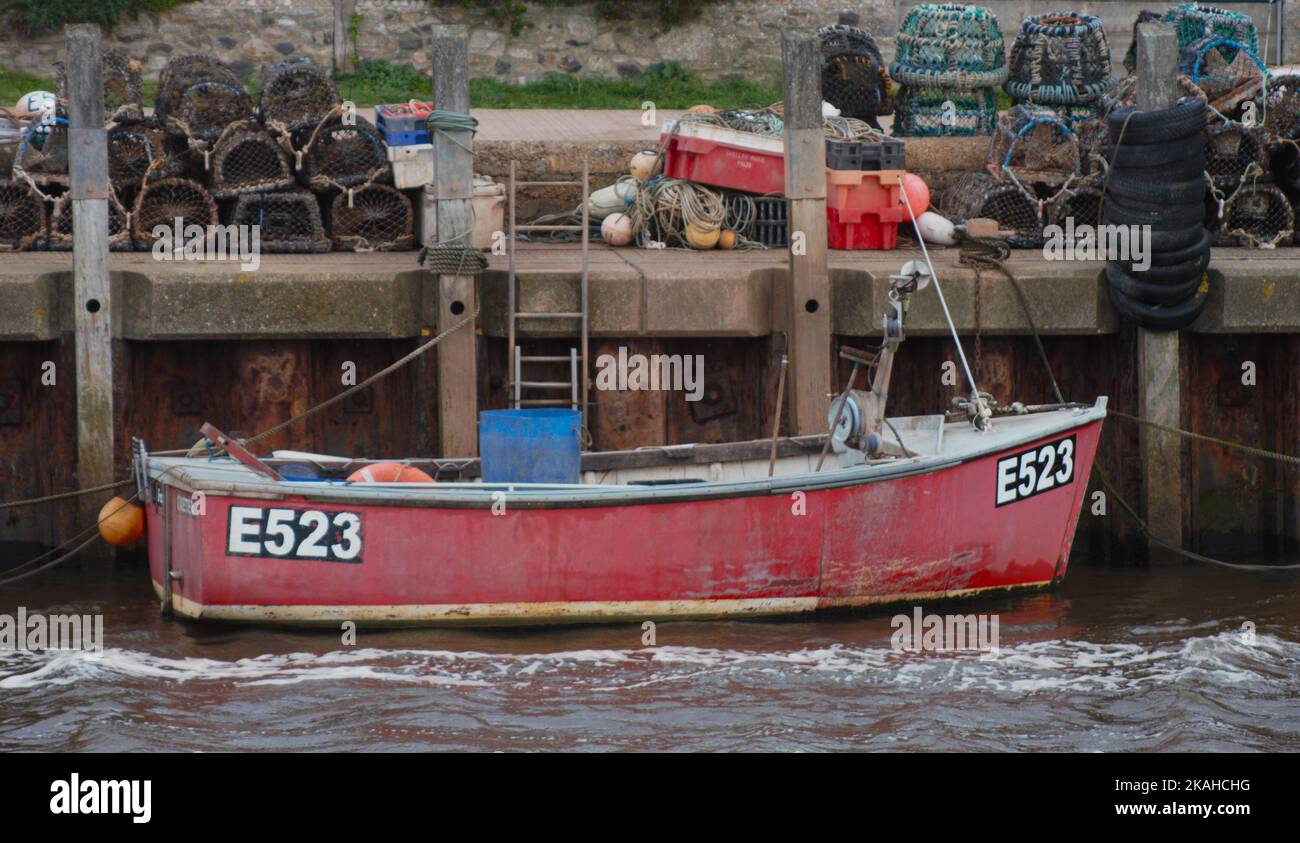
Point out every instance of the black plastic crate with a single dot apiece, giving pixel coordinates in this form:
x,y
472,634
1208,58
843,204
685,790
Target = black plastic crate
x,y
865,155
771,225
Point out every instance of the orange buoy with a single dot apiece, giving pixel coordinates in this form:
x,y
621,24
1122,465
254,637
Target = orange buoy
x,y
389,472
121,522
727,239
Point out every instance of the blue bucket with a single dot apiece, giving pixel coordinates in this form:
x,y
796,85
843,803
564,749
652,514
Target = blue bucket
x,y
530,446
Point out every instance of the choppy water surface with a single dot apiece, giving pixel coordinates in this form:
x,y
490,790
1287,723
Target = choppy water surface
x,y
1116,660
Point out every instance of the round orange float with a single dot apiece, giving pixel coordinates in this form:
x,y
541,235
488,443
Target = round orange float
x,y
121,522
389,472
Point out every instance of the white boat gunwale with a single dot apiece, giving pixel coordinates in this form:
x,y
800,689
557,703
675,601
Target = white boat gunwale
x,y
477,495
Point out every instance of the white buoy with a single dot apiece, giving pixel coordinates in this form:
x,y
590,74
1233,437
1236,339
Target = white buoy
x,y
611,199
936,229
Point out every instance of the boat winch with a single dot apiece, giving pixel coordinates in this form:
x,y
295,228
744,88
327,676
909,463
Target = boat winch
x,y
856,417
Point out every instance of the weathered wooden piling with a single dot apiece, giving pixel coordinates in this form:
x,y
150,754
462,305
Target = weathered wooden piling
x,y
343,10
806,302
93,305
1160,393
453,181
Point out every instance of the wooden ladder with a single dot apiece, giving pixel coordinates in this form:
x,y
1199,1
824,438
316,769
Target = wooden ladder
x,y
577,384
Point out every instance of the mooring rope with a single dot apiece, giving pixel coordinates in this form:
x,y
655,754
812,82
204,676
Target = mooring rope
x,y
1190,554
1201,437
64,495
989,253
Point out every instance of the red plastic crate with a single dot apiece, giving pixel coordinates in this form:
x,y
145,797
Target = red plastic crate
x,y
853,228
722,157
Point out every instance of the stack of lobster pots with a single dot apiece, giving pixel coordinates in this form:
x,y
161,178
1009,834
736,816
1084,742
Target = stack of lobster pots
x,y
949,60
1156,189
1061,60
292,162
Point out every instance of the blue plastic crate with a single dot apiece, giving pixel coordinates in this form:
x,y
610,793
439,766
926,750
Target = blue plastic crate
x,y
401,129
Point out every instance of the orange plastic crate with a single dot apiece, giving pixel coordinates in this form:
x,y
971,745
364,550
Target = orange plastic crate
x,y
877,191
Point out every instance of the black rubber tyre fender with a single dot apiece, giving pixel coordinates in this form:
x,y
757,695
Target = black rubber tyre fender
x,y
1136,156
1175,239
1151,292
1137,187
1117,212
1170,257
1173,273
1185,170
1184,119
1160,318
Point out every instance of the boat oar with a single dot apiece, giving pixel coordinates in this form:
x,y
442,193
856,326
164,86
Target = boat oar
x,y
776,423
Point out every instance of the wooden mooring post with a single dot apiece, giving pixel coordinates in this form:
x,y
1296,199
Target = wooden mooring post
x,y
806,302
343,10
92,298
457,366
1160,392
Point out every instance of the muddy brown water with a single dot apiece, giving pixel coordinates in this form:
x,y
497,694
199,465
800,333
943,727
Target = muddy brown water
x,y
1116,659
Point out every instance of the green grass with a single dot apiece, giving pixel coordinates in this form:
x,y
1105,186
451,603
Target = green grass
x,y
667,86
15,83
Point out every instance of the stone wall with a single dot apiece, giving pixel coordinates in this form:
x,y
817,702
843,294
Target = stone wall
x,y
737,37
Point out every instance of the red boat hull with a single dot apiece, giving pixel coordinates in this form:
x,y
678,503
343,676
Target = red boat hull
x,y
937,534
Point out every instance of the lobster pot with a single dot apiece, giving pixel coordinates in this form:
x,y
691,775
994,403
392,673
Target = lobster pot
x,y
854,77
199,97
1082,204
1218,69
372,217
1059,59
248,161
287,222
163,202
1234,152
979,194
296,94
135,147
1035,145
949,58
926,113
209,107
1091,136
1193,22
1257,215
43,153
123,85
340,156
22,218
1282,111
119,228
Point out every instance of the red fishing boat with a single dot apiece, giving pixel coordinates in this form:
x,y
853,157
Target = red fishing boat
x,y
876,511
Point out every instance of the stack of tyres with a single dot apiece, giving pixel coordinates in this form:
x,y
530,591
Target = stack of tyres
x,y
1157,180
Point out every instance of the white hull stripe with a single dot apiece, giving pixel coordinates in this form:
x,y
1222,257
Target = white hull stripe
x,y
556,612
